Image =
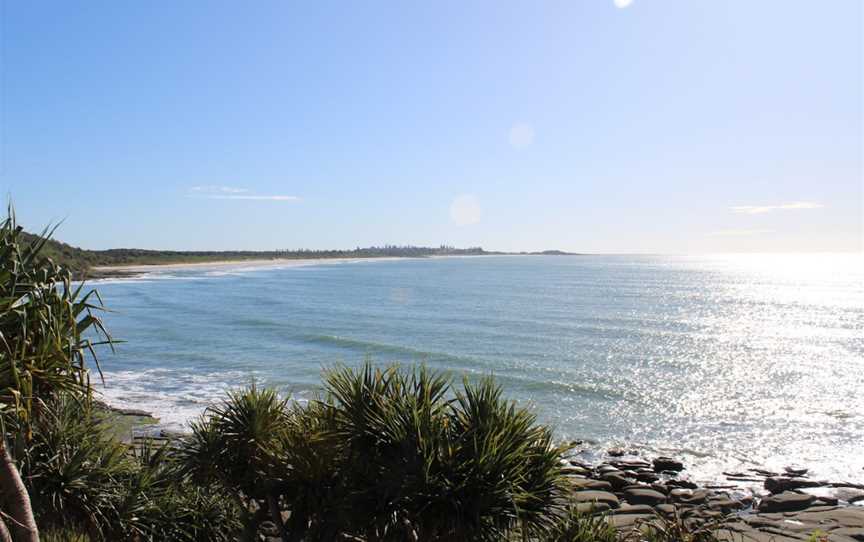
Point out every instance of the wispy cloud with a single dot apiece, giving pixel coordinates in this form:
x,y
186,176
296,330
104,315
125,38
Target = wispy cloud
x,y
739,233
230,192
215,189
762,209
621,4
251,197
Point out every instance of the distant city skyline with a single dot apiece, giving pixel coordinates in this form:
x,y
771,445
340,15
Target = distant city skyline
x,y
595,126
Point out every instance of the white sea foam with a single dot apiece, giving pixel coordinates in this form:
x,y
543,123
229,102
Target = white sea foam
x,y
175,396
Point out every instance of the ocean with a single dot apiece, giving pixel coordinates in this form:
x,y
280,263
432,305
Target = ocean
x,y
727,362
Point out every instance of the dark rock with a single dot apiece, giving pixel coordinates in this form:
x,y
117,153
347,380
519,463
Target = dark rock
x,y
616,480
687,484
583,484
779,484
666,509
762,472
679,493
576,470
786,502
634,509
615,452
598,497
660,488
724,504
667,463
627,522
592,507
795,471
647,477
644,496
696,497
851,532
846,516
580,463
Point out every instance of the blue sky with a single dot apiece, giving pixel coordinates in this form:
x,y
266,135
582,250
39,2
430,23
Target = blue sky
x,y
586,125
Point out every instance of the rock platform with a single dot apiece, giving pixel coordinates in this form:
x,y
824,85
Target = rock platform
x,y
785,507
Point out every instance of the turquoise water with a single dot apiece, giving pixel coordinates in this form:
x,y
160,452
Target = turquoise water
x,y
729,362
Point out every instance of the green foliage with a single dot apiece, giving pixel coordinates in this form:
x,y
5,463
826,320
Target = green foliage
x,y
46,325
575,526
385,455
80,476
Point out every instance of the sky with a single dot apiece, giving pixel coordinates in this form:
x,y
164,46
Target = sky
x,y
606,126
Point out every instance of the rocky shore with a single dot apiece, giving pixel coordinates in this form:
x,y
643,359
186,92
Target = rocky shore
x,y
775,506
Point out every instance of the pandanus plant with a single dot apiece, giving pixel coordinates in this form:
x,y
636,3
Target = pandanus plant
x,y
384,454
47,325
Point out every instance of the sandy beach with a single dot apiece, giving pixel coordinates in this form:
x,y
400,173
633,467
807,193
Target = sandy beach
x,y
127,270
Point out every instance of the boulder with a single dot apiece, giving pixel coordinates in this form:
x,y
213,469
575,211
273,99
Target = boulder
x,y
592,507
695,497
647,477
667,463
660,488
579,471
849,495
634,509
582,484
644,496
851,532
679,493
724,504
787,501
779,484
616,480
666,509
681,483
597,497
628,522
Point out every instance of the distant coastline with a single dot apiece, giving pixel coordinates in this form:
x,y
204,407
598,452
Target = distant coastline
x,y
135,270
123,262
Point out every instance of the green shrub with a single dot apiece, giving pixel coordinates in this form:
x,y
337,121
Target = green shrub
x,y
384,455
575,526
85,482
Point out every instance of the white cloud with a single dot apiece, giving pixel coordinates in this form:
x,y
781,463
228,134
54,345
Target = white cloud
x,y
739,233
621,4
251,197
521,135
762,209
214,189
229,192
464,210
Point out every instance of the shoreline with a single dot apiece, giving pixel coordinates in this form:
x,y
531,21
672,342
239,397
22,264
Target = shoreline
x,y
136,270
140,270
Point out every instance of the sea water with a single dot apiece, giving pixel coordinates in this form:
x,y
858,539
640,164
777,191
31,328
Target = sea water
x,y
727,362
